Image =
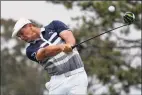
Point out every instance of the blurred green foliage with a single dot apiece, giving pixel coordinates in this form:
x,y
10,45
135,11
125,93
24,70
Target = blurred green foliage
x,y
102,57
19,75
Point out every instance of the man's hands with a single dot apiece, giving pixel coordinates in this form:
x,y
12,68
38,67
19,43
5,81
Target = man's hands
x,y
66,48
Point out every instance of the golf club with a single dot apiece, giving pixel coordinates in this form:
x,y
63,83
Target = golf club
x,y
98,36
128,19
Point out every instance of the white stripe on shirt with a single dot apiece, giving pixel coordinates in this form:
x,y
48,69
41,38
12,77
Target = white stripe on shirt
x,y
64,60
53,35
57,41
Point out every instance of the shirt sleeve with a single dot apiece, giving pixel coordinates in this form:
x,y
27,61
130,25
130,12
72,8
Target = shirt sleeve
x,y
31,50
59,26
31,53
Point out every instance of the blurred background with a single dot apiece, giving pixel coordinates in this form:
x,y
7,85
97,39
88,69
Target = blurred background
x,y
112,61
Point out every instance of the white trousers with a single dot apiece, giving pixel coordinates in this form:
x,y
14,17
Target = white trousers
x,y
75,84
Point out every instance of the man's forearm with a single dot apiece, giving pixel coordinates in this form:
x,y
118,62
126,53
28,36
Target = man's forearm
x,y
52,50
49,51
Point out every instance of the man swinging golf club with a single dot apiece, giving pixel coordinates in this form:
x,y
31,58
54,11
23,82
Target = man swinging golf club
x,y
51,47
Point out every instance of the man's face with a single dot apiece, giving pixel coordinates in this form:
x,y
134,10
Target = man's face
x,y
26,33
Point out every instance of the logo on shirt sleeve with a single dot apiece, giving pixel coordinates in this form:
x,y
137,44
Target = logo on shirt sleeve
x,y
33,54
51,32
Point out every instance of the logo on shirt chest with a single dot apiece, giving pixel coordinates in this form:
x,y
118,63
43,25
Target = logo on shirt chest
x,y
50,32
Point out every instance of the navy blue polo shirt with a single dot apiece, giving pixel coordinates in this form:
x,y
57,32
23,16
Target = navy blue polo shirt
x,y
60,63
54,26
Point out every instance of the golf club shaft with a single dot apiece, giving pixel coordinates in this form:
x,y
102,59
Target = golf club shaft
x,y
98,36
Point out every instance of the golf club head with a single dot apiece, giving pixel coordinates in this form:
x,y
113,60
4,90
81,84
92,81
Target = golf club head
x,y
129,18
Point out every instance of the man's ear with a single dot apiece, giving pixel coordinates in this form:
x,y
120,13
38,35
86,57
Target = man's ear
x,y
30,25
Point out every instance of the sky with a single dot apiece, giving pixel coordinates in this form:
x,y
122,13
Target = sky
x,y
40,11
44,12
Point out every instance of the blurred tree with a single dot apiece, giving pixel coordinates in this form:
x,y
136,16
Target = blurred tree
x,y
19,75
108,61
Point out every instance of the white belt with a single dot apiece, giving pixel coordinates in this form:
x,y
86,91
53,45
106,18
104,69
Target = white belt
x,y
70,73
74,72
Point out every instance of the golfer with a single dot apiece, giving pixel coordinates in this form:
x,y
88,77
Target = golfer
x,y
51,47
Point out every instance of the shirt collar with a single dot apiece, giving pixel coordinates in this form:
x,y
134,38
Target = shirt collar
x,y
42,29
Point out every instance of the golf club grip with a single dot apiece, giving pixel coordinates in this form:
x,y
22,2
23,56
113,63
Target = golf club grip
x,y
74,46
